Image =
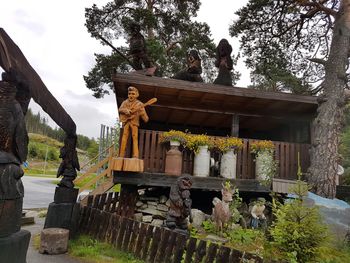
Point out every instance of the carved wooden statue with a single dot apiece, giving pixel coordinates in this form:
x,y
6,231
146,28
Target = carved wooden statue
x,y
69,164
130,113
13,152
258,217
221,211
224,63
194,68
137,48
180,204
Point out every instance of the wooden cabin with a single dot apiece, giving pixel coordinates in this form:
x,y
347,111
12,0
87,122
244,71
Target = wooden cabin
x,y
218,110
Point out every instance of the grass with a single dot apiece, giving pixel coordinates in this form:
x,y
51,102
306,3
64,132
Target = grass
x,y
89,250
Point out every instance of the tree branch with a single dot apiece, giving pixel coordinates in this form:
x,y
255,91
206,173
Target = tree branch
x,y
317,7
318,60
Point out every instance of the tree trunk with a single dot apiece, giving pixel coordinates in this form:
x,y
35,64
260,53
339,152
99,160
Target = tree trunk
x,y
328,123
150,29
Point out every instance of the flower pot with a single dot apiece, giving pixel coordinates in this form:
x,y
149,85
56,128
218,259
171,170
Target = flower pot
x,y
173,159
201,162
228,164
263,165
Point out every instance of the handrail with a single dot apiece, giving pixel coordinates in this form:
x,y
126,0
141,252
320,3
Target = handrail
x,y
95,157
106,172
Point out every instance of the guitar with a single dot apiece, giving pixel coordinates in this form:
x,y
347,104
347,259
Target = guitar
x,y
124,117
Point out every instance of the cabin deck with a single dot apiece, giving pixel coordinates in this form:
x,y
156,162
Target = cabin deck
x,y
153,153
206,183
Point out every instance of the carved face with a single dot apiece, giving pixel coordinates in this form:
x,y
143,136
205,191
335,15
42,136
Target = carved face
x,y
132,95
226,194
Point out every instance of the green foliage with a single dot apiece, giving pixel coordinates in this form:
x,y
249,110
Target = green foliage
x,y
88,249
33,150
93,149
52,154
279,40
298,231
209,226
234,205
169,32
38,150
246,236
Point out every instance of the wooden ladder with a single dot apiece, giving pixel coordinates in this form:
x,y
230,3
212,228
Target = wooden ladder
x,y
106,185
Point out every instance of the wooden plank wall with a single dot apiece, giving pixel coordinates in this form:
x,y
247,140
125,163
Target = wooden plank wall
x,y
153,153
154,244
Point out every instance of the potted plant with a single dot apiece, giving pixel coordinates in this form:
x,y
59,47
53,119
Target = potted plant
x,y
199,144
265,165
228,147
173,159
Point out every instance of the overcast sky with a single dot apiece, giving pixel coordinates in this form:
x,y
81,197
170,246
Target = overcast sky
x,y
52,36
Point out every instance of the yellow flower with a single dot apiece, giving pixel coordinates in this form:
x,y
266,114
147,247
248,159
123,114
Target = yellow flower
x,y
258,146
193,141
228,143
173,135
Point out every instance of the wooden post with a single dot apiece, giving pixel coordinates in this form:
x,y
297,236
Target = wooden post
x,y
235,125
127,200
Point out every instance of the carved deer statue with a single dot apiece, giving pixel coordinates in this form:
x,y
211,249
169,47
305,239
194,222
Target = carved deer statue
x,y
221,211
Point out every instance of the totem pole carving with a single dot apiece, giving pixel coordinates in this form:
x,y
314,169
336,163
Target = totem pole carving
x,y
13,152
70,162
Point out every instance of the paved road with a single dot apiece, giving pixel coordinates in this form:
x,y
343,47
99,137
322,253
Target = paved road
x,y
38,192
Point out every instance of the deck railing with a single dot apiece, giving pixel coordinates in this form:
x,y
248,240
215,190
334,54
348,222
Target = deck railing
x,y
153,153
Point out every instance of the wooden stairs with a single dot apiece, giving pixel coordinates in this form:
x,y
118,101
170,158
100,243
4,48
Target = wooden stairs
x,y
106,174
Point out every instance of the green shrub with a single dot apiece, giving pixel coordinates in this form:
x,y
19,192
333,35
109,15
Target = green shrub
x,y
33,150
298,231
52,154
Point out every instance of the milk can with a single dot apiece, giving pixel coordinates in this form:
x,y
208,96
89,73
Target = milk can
x,y
173,159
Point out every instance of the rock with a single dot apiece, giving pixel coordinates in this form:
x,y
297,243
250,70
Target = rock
x,y
168,203
150,203
144,206
157,222
147,219
138,217
152,206
54,241
215,238
198,217
148,198
139,204
154,212
163,199
162,207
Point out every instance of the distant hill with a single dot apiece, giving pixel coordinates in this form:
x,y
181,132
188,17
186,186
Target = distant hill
x,y
43,154
36,124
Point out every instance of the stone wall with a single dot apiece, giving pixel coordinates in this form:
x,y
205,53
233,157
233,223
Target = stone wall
x,y
152,210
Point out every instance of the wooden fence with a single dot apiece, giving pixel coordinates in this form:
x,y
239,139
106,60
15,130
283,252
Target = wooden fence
x,y
153,244
105,202
153,154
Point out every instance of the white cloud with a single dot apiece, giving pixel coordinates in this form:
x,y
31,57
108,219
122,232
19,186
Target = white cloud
x,y
52,36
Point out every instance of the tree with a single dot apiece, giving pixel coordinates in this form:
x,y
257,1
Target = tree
x,y
297,231
167,27
314,37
